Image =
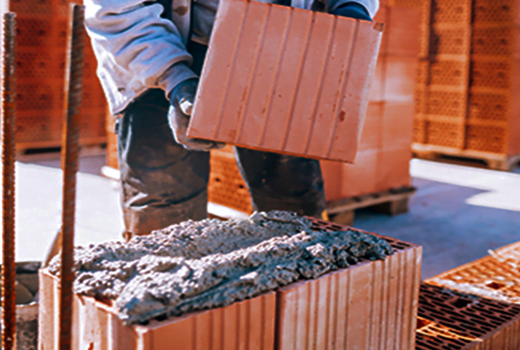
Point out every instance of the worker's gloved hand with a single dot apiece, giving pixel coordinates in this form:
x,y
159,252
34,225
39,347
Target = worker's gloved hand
x,y
181,105
352,10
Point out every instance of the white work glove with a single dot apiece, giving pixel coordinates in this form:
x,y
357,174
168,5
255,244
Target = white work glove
x,y
181,105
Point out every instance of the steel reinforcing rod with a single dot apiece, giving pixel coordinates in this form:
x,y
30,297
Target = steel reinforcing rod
x,y
8,181
70,157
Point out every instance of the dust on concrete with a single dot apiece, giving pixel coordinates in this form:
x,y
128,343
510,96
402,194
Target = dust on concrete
x,y
210,263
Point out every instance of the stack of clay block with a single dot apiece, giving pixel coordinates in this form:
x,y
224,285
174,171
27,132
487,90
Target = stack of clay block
x,y
383,157
42,27
111,154
459,321
467,84
474,306
226,185
369,305
382,161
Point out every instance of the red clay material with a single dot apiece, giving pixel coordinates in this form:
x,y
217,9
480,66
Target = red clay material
x,y
226,185
510,253
468,79
370,305
494,277
41,53
456,321
382,161
286,80
245,325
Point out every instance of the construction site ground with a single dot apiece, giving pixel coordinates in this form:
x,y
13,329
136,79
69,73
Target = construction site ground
x,y
457,214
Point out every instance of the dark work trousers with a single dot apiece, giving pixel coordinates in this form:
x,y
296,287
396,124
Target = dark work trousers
x,y
163,183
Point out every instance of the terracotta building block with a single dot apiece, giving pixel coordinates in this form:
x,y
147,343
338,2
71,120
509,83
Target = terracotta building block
x,y
373,128
457,321
495,277
96,326
226,185
343,180
377,90
370,305
394,169
400,73
286,80
403,40
397,125
510,253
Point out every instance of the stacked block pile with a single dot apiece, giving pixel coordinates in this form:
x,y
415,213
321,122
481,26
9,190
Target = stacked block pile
x,y
41,55
382,162
383,157
467,85
112,159
474,306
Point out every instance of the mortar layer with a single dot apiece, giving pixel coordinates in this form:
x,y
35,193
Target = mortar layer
x,y
200,265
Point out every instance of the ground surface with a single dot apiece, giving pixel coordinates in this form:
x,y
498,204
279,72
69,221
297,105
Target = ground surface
x,y
457,215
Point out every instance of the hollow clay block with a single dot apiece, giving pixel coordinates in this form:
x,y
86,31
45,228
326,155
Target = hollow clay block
x,y
245,325
370,305
489,277
286,80
457,321
200,265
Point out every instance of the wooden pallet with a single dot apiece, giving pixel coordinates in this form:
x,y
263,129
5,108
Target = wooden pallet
x,y
493,161
25,148
25,152
391,202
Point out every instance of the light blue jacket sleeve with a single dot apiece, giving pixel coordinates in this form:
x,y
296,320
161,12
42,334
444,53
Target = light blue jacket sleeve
x,y
136,48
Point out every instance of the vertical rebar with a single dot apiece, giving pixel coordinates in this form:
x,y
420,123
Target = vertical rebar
x,y
70,153
8,164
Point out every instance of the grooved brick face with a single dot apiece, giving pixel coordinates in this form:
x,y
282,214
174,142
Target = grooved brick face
x,y
370,305
286,80
456,321
244,325
40,61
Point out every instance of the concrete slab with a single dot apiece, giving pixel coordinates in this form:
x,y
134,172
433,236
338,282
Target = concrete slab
x,y
38,206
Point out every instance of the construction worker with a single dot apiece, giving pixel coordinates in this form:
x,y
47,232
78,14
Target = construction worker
x,y
150,54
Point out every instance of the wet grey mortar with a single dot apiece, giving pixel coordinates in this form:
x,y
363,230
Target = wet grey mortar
x,y
210,263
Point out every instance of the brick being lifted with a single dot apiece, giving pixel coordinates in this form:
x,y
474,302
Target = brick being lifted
x,y
305,96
